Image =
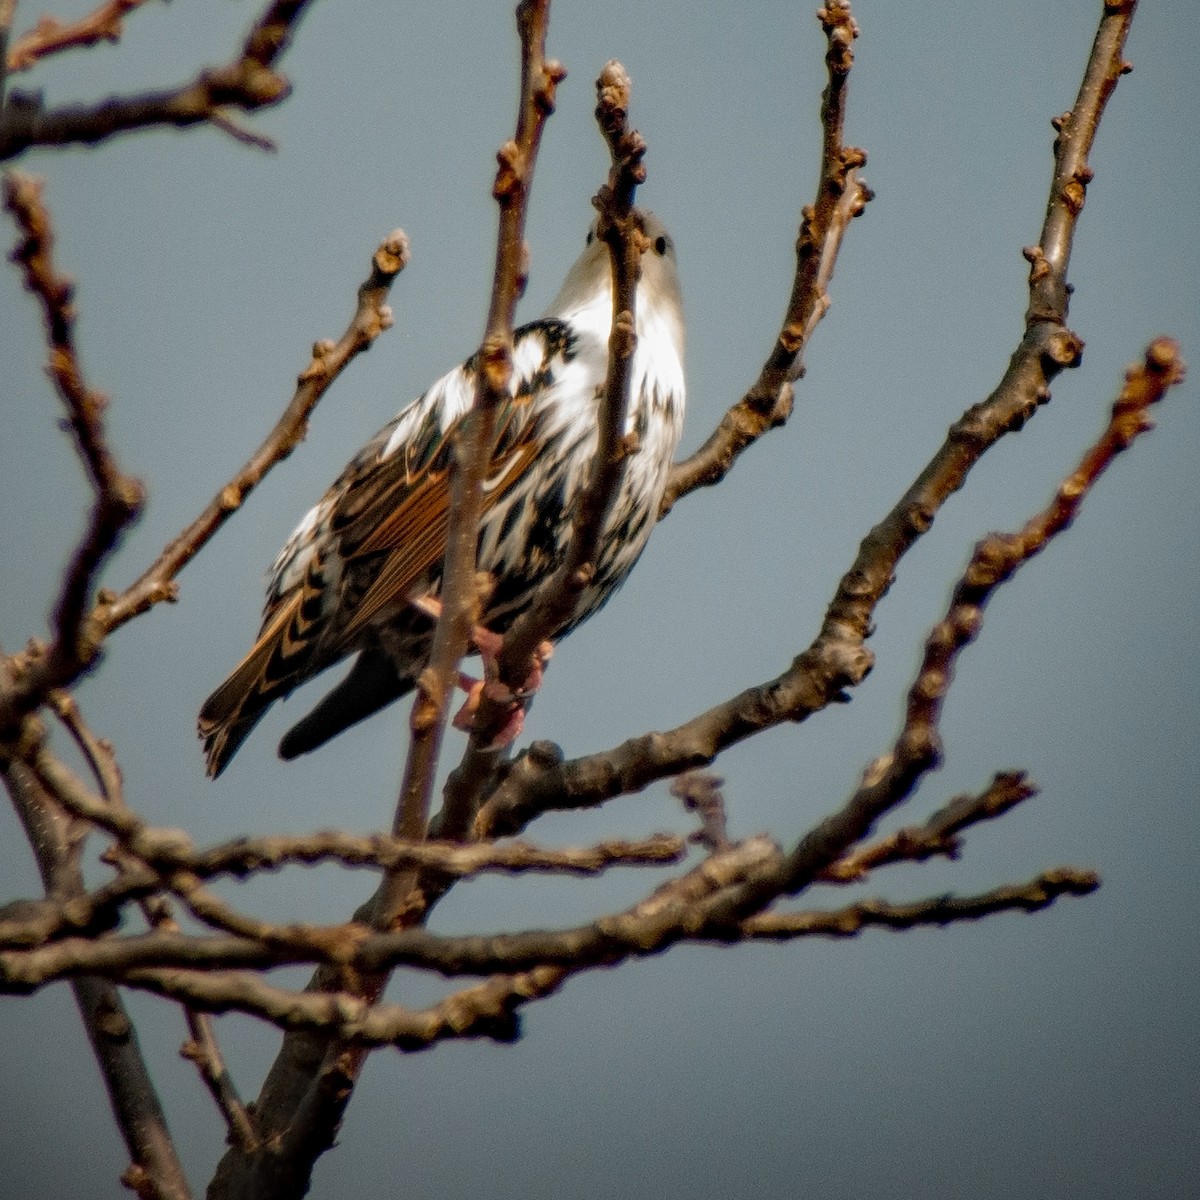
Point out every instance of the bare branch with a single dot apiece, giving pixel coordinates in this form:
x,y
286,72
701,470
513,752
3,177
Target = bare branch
x,y
700,792
997,558
938,836
118,497
1036,894
839,659
519,657
517,158
52,36
139,1114
620,230
372,316
8,11
305,1094
247,83
202,1049
841,196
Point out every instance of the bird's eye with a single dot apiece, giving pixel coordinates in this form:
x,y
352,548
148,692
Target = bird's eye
x,y
660,245
591,237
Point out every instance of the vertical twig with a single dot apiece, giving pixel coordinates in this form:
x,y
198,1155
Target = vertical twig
x,y
539,79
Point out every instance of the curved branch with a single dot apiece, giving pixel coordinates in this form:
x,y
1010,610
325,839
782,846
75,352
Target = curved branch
x,y
118,497
841,196
329,359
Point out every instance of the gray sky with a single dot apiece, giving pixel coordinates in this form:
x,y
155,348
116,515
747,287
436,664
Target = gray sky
x,y
1052,1055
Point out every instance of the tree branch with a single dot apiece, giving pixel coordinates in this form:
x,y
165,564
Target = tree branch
x,y
838,658
202,1049
841,196
155,1168
1036,894
305,1094
620,228
118,497
938,836
248,83
371,317
460,607
52,36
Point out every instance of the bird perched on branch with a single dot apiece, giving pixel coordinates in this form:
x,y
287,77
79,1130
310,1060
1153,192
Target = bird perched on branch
x,y
351,576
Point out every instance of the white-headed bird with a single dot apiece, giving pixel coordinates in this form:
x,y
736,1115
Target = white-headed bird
x,y
345,581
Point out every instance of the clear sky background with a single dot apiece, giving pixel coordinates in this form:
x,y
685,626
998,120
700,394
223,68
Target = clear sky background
x,y
1045,1056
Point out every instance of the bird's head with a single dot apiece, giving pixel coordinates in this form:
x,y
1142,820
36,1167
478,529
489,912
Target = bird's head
x,y
589,280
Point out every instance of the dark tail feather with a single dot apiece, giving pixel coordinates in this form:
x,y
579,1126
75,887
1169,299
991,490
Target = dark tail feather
x,y
276,663
222,744
373,683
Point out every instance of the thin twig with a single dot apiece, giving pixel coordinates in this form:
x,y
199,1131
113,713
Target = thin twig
x,y
52,36
938,835
1036,894
118,497
371,317
620,228
8,11
841,196
700,792
202,1049
248,83
435,687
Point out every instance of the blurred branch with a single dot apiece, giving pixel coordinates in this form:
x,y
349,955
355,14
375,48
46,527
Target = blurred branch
x,y
838,658
841,196
700,792
202,1049
247,83
372,316
117,497
938,836
1037,894
155,1168
52,36
8,11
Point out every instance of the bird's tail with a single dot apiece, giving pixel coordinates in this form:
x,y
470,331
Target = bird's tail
x,y
276,663
372,684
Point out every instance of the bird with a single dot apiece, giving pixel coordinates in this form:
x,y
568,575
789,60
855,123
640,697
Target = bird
x,y
350,578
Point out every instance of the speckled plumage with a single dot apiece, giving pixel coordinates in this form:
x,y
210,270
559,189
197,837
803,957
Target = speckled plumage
x,y
343,582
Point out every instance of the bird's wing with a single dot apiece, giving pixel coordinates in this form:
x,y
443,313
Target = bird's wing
x,y
401,507
379,530
272,668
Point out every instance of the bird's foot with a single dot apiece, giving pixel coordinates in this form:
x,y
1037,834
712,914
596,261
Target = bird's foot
x,y
493,689
488,645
